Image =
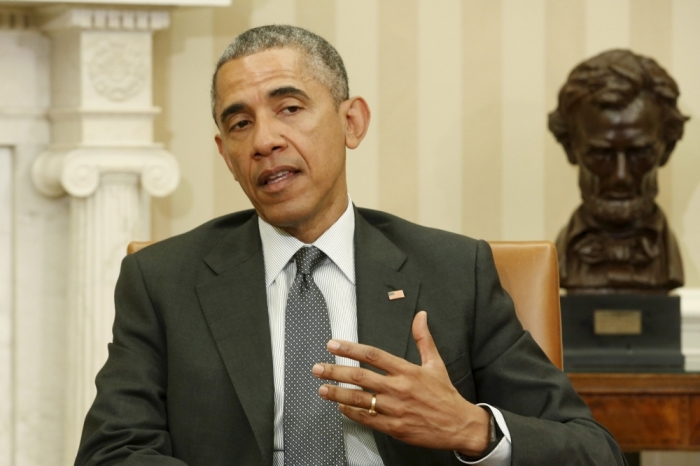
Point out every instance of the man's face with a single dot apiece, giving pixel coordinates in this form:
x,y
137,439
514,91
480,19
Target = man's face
x,y
283,139
618,152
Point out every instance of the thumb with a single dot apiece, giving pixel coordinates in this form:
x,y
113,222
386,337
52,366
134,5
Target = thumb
x,y
424,341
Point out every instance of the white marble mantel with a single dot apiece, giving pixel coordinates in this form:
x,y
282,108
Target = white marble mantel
x,y
78,166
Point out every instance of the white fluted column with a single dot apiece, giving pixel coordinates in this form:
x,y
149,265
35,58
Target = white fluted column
x,y
103,156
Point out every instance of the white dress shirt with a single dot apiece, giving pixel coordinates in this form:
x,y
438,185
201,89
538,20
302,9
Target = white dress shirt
x,y
335,277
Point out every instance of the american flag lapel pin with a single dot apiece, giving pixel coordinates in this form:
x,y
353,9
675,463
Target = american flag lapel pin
x,y
396,294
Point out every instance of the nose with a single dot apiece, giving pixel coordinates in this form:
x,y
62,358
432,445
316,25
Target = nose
x,y
268,137
621,172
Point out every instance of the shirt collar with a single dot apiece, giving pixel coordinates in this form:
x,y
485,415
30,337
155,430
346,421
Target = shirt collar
x,y
337,243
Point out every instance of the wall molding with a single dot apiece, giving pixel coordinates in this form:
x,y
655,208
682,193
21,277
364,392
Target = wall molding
x,y
78,172
16,19
110,19
690,326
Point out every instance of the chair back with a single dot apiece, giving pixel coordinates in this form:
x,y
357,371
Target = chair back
x,y
136,246
530,274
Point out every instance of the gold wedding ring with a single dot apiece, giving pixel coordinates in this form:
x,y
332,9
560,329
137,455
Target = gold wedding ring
x,y
371,411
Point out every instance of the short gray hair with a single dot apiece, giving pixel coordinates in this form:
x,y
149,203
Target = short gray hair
x,y
322,59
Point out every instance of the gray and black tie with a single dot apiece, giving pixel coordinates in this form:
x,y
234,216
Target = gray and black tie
x,y
313,429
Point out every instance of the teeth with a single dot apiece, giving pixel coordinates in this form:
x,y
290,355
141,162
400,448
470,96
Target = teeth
x,y
277,175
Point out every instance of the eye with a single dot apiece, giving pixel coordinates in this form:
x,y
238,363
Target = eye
x,y
600,152
643,151
240,124
292,109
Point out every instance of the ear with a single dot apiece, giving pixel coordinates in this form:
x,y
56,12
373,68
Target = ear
x,y
570,154
224,155
356,113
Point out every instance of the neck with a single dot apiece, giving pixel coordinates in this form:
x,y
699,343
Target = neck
x,y
311,230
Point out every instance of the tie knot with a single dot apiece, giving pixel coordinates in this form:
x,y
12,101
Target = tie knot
x,y
308,259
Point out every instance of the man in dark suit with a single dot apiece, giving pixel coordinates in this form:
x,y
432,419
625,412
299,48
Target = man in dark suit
x,y
198,372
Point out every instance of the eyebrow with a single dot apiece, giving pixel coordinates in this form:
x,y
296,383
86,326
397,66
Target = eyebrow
x,y
288,90
640,141
599,144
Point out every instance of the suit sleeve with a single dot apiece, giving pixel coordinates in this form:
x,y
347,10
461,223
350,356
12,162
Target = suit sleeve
x,y
548,422
127,423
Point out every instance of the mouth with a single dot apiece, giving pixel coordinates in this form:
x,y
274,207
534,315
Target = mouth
x,y
618,196
277,176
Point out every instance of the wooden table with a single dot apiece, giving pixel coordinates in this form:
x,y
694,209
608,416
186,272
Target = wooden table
x,y
645,411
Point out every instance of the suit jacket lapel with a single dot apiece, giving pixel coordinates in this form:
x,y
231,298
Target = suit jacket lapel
x,y
235,307
382,322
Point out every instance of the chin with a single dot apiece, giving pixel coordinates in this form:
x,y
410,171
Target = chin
x,y
619,212
284,215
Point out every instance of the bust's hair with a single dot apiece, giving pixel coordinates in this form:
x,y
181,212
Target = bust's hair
x,y
614,79
323,61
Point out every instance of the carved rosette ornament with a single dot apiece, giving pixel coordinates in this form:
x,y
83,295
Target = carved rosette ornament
x,y
118,69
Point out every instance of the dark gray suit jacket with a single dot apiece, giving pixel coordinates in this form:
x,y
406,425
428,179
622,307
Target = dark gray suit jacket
x,y
189,374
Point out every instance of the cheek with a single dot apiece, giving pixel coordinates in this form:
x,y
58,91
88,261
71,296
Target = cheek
x,y
643,167
325,133
649,185
588,182
235,167
602,166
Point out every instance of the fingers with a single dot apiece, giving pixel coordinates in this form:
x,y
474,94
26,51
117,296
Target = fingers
x,y
346,374
348,396
387,362
368,354
424,341
356,405
415,404
363,416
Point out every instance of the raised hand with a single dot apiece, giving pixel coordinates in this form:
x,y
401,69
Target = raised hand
x,y
415,404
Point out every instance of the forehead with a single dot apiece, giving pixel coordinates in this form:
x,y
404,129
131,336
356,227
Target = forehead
x,y
261,71
642,115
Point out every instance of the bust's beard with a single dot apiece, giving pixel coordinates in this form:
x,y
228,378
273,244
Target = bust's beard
x,y
619,212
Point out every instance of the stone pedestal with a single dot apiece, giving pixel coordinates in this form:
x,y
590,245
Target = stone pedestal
x,y
621,333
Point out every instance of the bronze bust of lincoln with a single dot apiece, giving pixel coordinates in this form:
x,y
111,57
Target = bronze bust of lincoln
x,y
617,119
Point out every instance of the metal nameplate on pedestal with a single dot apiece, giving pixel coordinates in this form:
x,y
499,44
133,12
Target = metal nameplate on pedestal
x,y
613,322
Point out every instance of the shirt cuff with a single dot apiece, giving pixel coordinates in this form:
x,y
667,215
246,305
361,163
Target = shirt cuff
x,y
499,456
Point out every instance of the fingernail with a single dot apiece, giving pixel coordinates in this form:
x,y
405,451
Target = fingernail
x,y
317,369
323,391
333,345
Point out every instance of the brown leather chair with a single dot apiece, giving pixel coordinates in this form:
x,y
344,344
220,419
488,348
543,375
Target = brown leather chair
x,y
528,271
530,274
135,246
